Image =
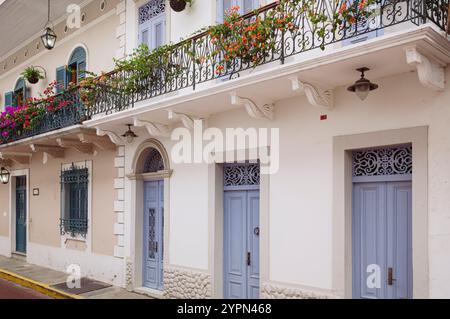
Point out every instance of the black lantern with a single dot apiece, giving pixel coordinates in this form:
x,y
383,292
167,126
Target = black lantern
x,y
129,135
49,36
362,87
4,175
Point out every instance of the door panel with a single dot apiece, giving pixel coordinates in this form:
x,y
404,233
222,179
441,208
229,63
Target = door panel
x,y
253,244
369,219
153,234
235,244
399,199
241,244
21,215
381,238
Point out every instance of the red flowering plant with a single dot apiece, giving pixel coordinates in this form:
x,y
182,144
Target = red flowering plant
x,y
251,40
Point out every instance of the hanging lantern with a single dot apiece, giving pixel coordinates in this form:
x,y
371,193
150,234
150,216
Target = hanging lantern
x,y
48,36
4,176
129,135
362,87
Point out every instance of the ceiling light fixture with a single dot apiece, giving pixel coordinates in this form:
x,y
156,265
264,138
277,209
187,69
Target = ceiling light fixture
x,y
363,86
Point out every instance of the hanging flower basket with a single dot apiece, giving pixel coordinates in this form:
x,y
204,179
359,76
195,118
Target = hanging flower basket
x,y
178,5
33,74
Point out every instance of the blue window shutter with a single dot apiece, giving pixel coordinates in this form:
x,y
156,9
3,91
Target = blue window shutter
x,y
61,79
81,73
9,96
79,58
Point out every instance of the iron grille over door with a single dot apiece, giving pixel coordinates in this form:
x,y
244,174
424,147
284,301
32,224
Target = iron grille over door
x,y
392,162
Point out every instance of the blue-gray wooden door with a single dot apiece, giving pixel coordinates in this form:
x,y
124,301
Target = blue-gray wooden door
x,y
153,234
21,214
382,238
241,244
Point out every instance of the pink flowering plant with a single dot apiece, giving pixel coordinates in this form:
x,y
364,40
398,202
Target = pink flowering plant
x,y
17,120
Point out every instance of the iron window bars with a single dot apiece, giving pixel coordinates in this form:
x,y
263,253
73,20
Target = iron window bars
x,y
74,200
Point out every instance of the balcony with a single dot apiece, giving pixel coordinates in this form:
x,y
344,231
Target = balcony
x,y
36,118
200,61
194,62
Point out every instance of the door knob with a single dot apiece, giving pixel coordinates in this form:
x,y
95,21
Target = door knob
x,y
391,278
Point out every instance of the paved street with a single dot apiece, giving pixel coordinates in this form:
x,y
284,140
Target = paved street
x,y
9,290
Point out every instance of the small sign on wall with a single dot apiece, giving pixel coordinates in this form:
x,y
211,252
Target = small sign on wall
x,y
35,191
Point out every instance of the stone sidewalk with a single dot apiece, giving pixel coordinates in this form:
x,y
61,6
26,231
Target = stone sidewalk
x,y
51,277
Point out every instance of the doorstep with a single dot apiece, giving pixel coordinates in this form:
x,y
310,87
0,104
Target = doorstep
x,y
46,280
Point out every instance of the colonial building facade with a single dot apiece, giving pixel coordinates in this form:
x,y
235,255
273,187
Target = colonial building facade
x,y
258,174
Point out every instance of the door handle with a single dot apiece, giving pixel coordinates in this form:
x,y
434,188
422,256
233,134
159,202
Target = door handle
x,y
391,278
156,247
249,259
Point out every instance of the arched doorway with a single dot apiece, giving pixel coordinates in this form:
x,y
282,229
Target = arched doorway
x,y
151,174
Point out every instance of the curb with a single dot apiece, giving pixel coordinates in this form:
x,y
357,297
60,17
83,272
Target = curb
x,y
36,286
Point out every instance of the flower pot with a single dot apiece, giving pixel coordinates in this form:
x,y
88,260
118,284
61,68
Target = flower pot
x,y
33,79
178,5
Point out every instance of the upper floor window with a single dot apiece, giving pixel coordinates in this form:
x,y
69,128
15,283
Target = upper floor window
x,y
73,72
18,96
152,24
224,6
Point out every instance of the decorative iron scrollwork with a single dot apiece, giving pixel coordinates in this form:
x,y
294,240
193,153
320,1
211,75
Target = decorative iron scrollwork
x,y
152,244
383,161
154,162
241,175
152,9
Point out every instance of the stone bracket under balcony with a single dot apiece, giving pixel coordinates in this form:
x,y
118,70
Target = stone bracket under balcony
x,y
188,121
154,129
114,137
431,70
102,142
258,111
316,96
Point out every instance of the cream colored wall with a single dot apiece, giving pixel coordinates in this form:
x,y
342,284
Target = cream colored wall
x,y
45,209
100,40
4,210
192,19
301,192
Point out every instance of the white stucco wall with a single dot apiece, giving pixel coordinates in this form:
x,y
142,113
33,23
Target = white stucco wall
x,y
301,192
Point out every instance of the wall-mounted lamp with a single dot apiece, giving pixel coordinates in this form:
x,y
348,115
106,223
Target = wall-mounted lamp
x,y
129,135
362,87
49,36
4,176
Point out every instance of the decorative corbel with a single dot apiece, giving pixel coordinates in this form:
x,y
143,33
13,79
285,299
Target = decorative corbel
x,y
53,151
430,70
102,142
187,120
116,139
264,112
85,148
154,129
316,97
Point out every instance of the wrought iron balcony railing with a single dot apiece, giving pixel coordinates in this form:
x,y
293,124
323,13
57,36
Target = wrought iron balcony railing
x,y
60,111
185,65
122,89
